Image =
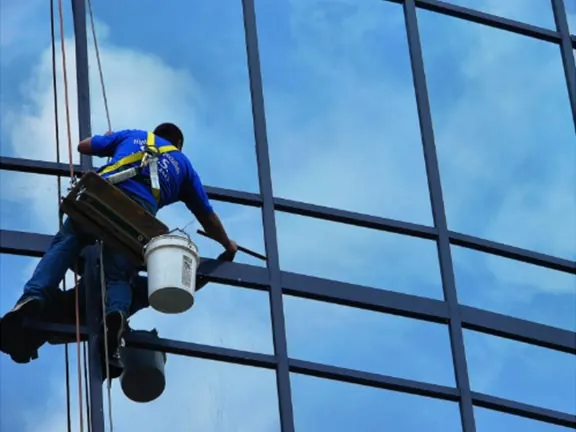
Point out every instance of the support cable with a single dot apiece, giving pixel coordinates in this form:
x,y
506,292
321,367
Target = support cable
x,y
71,162
59,186
103,87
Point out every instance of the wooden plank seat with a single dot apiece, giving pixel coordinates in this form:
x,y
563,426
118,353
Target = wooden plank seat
x,y
104,211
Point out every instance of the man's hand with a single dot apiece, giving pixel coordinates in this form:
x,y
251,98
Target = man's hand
x,y
230,252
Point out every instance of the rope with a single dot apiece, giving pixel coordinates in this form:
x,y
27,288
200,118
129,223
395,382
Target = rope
x,y
106,353
103,87
59,180
71,162
86,393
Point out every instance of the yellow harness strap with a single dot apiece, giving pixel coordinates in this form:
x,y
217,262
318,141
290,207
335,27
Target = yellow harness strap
x,y
141,157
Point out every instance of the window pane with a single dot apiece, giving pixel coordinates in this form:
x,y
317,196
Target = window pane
x,y
204,395
191,72
243,224
538,12
30,393
26,92
369,341
504,132
514,288
521,372
358,255
326,405
222,315
29,202
340,99
494,421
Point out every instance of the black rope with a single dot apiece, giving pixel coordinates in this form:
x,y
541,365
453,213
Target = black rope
x,y
57,134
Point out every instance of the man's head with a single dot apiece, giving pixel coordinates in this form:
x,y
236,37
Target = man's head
x,y
170,132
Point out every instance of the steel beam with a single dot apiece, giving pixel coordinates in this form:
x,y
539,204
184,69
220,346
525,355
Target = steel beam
x,y
561,19
268,218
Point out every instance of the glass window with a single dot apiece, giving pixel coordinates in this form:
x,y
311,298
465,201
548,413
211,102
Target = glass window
x,y
243,224
222,315
340,107
521,372
538,13
369,341
36,390
514,288
493,421
504,132
29,202
358,255
27,104
204,395
326,405
185,64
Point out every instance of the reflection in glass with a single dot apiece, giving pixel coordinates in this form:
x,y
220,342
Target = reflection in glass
x,y
29,202
494,421
539,13
504,133
326,405
358,255
243,224
514,288
222,315
369,341
191,71
340,107
521,372
33,395
203,395
26,94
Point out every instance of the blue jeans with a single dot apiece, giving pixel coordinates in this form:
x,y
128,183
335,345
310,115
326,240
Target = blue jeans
x,y
63,253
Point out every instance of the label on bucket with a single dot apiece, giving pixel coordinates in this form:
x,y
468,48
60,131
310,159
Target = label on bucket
x,y
186,270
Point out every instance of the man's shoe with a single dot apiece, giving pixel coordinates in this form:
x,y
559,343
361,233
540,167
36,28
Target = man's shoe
x,y
21,344
116,325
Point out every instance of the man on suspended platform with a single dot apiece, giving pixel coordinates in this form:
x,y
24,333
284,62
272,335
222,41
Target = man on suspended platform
x,y
170,180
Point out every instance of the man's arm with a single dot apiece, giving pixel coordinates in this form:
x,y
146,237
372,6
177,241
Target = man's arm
x,y
102,145
196,199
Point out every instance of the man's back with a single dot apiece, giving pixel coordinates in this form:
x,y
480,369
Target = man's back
x,y
178,179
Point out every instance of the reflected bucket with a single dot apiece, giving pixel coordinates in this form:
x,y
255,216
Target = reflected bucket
x,y
143,379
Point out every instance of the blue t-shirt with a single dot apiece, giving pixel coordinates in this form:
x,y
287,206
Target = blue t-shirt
x,y
178,179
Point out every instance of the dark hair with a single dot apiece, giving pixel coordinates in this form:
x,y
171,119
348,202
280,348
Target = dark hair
x,y
170,132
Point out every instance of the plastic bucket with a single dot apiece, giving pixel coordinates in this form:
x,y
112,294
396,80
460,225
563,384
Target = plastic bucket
x,y
171,261
143,379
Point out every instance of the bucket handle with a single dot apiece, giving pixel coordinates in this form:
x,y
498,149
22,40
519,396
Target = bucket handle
x,y
171,232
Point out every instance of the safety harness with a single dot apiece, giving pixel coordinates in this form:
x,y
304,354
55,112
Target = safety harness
x,y
127,167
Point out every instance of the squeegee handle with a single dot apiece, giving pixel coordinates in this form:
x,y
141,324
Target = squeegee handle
x,y
240,248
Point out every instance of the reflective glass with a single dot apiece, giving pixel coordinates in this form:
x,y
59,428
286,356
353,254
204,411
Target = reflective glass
x,y
514,288
537,12
358,255
29,202
204,395
570,6
27,126
504,133
325,405
184,63
369,341
222,315
340,107
521,372
33,395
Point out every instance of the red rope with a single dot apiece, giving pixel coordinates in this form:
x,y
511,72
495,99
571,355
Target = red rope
x,y
71,162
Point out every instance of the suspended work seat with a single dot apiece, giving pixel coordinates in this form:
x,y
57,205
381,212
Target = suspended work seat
x,y
105,212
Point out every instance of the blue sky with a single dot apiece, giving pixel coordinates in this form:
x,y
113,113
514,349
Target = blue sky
x,y
342,129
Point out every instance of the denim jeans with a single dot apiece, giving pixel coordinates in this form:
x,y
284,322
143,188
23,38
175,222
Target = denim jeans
x,y
62,254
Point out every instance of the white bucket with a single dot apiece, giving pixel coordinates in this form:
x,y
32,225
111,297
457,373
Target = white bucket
x,y
171,261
